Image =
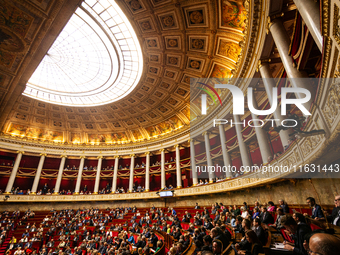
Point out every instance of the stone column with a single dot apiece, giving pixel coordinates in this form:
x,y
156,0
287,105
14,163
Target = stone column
x,y
226,156
13,173
269,84
209,160
147,171
310,13
38,173
132,167
115,174
261,135
99,168
193,162
282,42
80,173
241,144
163,180
60,174
178,167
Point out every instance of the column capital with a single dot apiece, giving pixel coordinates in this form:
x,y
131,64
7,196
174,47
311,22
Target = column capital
x,y
82,157
262,62
116,156
147,153
100,157
205,133
191,140
270,20
161,150
22,152
132,155
43,154
63,156
177,145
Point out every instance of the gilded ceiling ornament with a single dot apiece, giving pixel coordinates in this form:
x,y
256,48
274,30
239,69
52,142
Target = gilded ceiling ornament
x,y
168,21
198,43
196,17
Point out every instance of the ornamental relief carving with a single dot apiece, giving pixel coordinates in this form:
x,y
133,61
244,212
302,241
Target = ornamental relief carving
x,y
331,108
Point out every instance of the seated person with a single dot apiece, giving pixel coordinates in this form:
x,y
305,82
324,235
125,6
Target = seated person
x,y
334,218
266,217
322,243
259,231
271,207
256,213
284,206
244,244
299,231
277,223
256,247
316,209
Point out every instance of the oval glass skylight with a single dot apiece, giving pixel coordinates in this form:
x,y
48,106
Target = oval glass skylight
x,y
95,60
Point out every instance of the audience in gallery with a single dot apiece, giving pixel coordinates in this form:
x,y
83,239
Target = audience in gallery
x,y
67,231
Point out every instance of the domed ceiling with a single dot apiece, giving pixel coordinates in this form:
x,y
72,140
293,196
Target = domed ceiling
x,y
179,39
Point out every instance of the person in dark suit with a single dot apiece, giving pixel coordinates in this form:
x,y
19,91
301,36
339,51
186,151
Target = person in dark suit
x,y
259,231
217,233
334,218
207,224
28,245
284,206
316,209
266,217
197,206
244,244
299,231
153,239
207,243
50,244
238,225
256,246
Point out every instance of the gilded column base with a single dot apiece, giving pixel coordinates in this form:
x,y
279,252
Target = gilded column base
x,y
195,184
211,181
179,187
76,193
7,193
95,193
55,193
33,193
147,190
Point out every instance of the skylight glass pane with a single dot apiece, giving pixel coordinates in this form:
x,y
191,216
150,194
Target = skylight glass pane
x,y
82,65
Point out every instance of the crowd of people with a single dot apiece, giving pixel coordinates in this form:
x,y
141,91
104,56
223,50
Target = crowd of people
x,y
210,230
